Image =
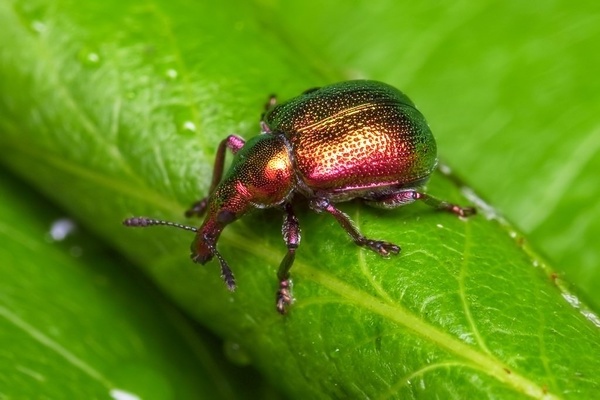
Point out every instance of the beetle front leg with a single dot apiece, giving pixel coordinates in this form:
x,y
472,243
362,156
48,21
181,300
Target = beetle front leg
x,y
291,235
231,142
410,195
378,246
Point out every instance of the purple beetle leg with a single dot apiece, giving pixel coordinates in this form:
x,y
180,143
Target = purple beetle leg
x,y
444,205
291,236
378,246
409,195
231,142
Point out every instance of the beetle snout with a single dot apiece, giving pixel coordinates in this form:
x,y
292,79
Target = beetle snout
x,y
201,250
201,258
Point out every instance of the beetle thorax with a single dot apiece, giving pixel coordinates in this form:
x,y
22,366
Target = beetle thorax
x,y
260,176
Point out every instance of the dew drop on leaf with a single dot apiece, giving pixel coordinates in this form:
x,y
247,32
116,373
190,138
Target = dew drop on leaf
x,y
61,228
118,394
38,26
171,74
89,57
188,127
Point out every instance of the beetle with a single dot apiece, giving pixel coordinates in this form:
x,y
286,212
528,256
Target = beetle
x,y
354,139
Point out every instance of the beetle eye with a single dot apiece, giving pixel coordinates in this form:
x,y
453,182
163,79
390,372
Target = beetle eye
x,y
225,216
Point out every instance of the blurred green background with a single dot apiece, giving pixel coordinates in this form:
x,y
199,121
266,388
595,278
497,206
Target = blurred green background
x,y
114,108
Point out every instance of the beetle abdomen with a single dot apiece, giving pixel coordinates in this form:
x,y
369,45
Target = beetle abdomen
x,y
356,137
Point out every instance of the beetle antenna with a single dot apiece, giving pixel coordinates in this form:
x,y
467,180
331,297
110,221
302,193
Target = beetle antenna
x,y
143,222
226,272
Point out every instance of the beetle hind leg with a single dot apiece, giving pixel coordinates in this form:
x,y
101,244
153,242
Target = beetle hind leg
x,y
444,205
408,196
379,246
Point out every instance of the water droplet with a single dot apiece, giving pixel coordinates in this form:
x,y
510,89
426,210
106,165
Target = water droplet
x,y
89,57
183,118
136,381
119,394
38,26
189,127
445,169
335,353
572,299
171,73
236,353
61,228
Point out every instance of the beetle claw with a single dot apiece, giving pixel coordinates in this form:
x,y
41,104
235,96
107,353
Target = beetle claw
x,y
284,296
463,211
381,247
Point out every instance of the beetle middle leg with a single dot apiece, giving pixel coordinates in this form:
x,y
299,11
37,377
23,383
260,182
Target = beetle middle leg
x,y
408,196
231,142
291,235
378,246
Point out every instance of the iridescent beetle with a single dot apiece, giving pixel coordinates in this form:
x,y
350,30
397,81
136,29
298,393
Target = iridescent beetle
x,y
356,139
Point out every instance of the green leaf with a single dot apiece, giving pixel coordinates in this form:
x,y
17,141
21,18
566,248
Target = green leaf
x,y
75,323
117,109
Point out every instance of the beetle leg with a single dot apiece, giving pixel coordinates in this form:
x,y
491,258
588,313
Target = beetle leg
x,y
444,205
378,246
271,102
231,142
409,195
291,235
268,106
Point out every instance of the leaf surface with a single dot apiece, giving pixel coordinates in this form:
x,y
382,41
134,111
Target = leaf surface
x,y
114,114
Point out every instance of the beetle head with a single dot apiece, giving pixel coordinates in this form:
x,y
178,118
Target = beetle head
x,y
204,245
221,212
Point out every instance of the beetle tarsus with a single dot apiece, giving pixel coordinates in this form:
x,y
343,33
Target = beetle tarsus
x,y
463,211
379,246
284,296
443,205
453,208
197,209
